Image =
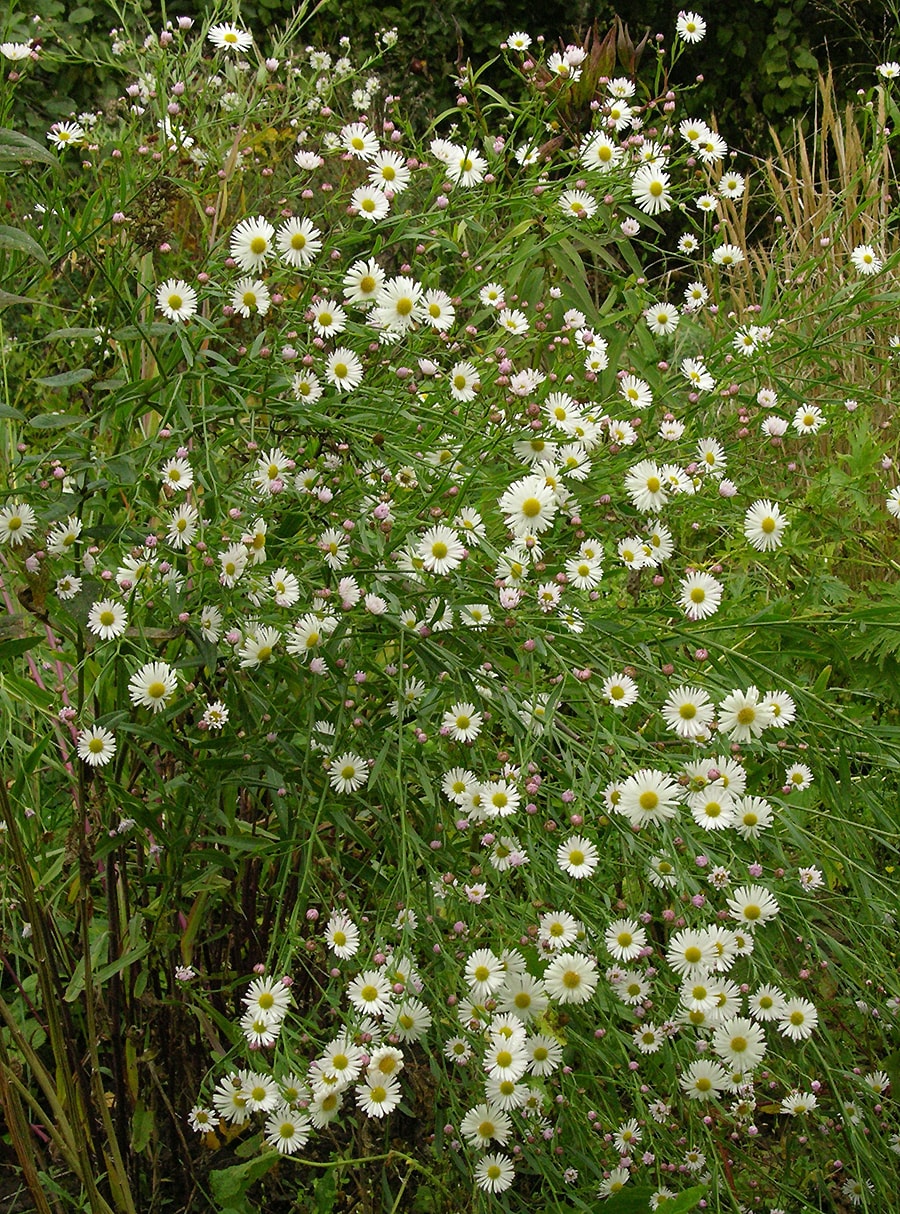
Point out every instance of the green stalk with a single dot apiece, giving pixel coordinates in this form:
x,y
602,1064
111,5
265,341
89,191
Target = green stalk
x,y
117,1174
51,1000
20,1133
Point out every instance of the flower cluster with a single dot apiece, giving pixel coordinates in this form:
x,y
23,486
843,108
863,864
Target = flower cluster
x,y
432,617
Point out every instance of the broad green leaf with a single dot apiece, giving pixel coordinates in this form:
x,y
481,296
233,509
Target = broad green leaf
x,y
15,238
629,1201
7,297
55,421
230,1185
142,1125
15,146
66,378
76,331
11,649
325,1192
686,1200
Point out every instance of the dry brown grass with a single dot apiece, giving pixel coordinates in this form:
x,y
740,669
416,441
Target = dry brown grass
x,y
807,206
832,184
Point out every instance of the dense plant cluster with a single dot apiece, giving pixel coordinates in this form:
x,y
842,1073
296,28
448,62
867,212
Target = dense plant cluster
x,y
425,557
759,67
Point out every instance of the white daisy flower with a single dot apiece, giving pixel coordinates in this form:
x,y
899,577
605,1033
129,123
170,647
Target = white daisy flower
x,y
96,746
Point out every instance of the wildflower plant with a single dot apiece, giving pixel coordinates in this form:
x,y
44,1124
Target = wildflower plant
x,y
415,714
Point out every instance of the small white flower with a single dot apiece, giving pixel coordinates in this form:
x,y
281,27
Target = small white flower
x,y
865,259
96,746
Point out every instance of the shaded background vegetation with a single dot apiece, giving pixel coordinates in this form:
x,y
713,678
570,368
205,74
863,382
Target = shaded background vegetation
x,y
762,55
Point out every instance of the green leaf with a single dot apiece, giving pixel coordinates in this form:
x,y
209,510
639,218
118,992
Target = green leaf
x,y
66,378
7,297
12,648
326,1190
230,1185
14,238
805,59
629,1201
77,331
686,1200
821,682
55,421
891,1065
142,1125
14,146
81,15
9,411
637,1200
105,972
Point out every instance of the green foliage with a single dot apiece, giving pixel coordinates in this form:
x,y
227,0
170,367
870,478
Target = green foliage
x,y
230,1186
762,62
351,629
